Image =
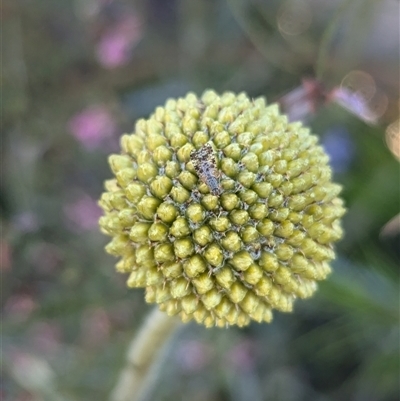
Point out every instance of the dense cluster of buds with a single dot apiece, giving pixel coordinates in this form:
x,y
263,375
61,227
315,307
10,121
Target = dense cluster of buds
x,y
259,239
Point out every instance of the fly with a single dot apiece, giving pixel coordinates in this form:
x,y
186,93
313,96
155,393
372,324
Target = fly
x,y
205,164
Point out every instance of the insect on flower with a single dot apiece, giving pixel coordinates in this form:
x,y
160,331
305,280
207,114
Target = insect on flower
x,y
206,167
185,246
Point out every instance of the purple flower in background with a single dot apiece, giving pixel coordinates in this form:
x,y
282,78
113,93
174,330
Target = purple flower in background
x,y
355,103
340,148
115,45
242,355
83,214
26,222
45,336
20,306
95,327
302,102
113,50
193,355
93,126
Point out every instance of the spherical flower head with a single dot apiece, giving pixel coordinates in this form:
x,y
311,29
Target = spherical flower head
x,y
221,209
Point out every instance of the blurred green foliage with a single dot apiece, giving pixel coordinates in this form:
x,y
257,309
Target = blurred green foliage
x,y
76,74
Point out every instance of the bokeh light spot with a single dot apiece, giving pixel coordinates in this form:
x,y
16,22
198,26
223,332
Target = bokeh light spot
x,y
392,136
359,94
361,83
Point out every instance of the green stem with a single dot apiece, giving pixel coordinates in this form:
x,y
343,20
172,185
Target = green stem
x,y
260,41
142,354
327,38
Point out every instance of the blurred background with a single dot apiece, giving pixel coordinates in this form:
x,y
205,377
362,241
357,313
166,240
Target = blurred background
x,y
77,74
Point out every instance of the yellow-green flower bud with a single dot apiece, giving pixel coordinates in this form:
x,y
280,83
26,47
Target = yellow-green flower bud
x,y
147,207
158,232
172,169
183,248
195,213
214,255
231,242
167,212
180,228
226,238
139,232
